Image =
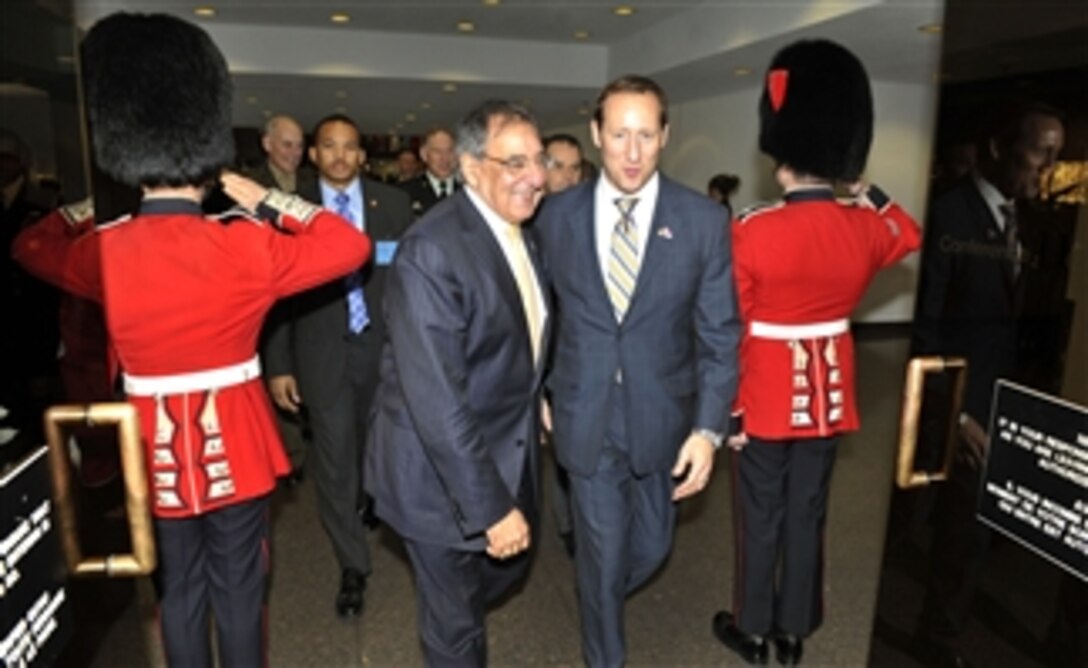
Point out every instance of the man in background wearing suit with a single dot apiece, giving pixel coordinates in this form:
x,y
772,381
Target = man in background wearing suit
x,y
437,181
452,458
283,144
970,300
323,353
644,364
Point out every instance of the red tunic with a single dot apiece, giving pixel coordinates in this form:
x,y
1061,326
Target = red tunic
x,y
184,293
801,266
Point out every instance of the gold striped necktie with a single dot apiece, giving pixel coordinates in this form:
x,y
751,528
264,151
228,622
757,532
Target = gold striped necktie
x,y
623,258
523,274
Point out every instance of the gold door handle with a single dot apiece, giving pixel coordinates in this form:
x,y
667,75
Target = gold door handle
x,y
906,477
142,559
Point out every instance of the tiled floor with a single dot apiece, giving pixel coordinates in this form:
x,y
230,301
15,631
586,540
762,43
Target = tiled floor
x,y
668,622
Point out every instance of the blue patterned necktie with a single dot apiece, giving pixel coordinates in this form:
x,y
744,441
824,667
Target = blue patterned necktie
x,y
358,318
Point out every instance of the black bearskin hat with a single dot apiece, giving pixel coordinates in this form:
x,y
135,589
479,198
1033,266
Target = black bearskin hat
x,y
159,100
816,112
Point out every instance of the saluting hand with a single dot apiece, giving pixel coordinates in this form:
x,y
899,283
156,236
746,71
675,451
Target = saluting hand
x,y
245,191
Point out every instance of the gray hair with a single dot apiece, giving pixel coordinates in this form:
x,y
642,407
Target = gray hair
x,y
273,121
472,131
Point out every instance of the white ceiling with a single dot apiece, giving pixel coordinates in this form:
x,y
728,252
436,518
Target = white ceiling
x,y
395,56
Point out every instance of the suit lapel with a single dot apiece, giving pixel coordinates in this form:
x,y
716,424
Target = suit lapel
x,y
486,251
991,233
583,229
661,230
538,274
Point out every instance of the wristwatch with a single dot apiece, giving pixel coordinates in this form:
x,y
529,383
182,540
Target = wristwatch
x,y
716,438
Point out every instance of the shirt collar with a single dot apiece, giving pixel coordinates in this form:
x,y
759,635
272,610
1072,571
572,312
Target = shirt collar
x,y
647,195
285,180
167,206
437,182
498,225
995,201
810,194
354,190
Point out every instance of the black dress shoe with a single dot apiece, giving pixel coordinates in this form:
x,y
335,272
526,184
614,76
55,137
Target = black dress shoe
x,y
349,600
294,478
753,649
788,649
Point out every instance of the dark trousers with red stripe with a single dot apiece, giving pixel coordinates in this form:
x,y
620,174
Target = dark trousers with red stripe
x,y
217,562
780,510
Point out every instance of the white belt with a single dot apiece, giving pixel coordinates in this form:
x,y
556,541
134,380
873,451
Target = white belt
x,y
197,381
813,330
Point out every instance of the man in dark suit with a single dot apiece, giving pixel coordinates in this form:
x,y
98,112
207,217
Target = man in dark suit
x,y
452,458
437,181
323,352
970,298
644,364
283,144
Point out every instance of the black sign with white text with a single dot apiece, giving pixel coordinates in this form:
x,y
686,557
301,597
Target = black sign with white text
x,y
35,620
1035,488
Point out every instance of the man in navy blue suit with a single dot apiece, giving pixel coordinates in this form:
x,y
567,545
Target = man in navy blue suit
x,y
452,458
644,364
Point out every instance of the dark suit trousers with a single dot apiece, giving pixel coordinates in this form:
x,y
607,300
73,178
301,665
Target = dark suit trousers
x,y
220,558
455,587
339,433
780,510
623,527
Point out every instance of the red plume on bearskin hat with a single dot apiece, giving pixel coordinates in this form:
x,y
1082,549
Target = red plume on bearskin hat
x,y
159,100
816,111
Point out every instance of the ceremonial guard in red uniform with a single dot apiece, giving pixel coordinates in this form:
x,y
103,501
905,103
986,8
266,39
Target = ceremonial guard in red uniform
x,y
801,266
184,298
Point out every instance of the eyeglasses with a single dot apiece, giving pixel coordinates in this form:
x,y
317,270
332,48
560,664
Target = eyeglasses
x,y
518,164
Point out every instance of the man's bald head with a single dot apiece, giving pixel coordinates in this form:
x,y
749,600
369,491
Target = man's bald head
x,y
283,142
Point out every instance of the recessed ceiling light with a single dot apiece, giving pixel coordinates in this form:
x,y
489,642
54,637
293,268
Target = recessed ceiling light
x,y
340,94
491,3
409,117
340,17
623,10
742,71
581,34
66,60
583,111
931,28
252,99
424,105
267,113
466,26
449,88
400,126
205,11
341,110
